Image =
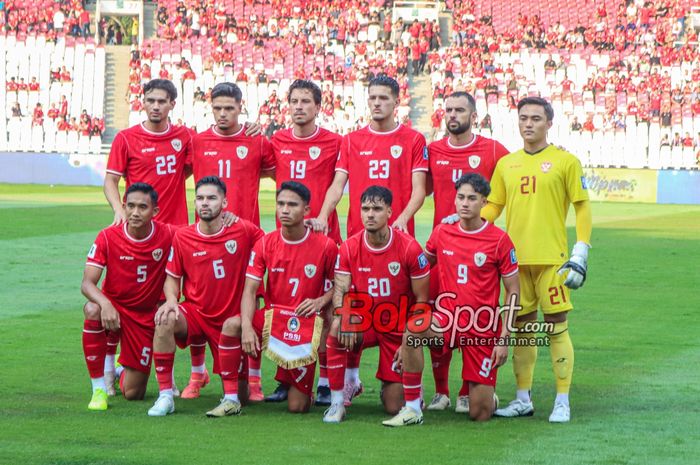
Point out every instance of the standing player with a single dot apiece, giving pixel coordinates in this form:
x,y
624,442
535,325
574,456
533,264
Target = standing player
x,y
134,255
472,257
307,153
154,152
210,259
224,150
536,185
387,265
384,153
451,157
299,265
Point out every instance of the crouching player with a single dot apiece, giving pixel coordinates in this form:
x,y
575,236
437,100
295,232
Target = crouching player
x,y
472,257
210,259
134,254
299,265
385,266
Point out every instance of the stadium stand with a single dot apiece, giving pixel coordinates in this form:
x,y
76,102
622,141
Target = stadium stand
x,y
628,70
66,79
264,47
623,75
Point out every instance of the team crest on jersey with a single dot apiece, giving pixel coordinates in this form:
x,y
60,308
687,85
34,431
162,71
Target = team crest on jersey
x,y
231,246
394,268
479,258
242,152
396,151
314,152
293,324
546,166
177,144
157,254
474,161
310,271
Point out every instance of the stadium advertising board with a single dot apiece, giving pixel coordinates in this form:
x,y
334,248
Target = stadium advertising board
x,y
621,185
679,187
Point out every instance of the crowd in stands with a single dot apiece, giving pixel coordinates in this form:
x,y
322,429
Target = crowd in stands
x,y
48,17
613,65
264,46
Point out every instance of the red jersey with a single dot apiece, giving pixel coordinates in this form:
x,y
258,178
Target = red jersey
x,y
135,267
448,163
310,161
213,267
296,270
238,160
386,159
159,159
471,264
385,274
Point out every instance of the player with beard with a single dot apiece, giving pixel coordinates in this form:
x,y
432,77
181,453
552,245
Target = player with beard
x,y
205,258
459,153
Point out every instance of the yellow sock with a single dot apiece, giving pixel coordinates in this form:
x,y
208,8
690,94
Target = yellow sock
x,y
562,352
524,358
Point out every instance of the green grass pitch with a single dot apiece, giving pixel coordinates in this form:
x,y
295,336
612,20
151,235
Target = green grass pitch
x,y
634,397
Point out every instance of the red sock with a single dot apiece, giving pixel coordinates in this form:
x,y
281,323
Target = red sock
x,y
164,369
229,362
322,365
464,390
254,364
94,347
198,354
112,342
411,385
441,371
336,356
354,359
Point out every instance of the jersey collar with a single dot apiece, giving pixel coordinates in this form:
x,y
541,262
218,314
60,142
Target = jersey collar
x,y
382,249
133,239
476,231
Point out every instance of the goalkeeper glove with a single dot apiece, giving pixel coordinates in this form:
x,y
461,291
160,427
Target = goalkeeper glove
x,y
450,219
576,266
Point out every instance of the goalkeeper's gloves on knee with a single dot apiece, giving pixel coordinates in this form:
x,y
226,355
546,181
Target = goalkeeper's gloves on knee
x,y
576,266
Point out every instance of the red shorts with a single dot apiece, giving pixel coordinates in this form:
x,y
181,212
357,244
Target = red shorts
x,y
476,364
389,344
137,330
200,329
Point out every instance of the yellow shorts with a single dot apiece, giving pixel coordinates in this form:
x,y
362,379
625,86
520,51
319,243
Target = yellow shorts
x,y
541,286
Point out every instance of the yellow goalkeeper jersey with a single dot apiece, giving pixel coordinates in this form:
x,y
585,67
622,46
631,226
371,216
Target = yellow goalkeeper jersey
x,y
536,191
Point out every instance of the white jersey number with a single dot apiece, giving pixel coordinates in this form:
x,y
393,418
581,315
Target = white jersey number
x,y
379,169
165,165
